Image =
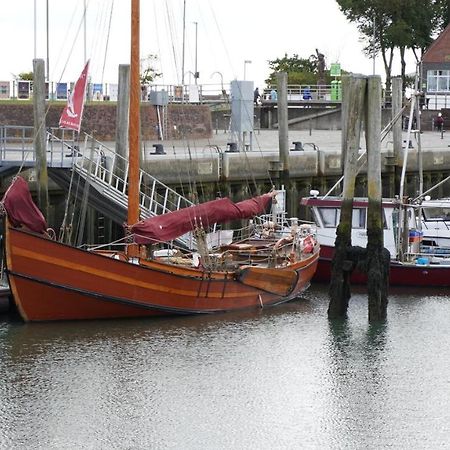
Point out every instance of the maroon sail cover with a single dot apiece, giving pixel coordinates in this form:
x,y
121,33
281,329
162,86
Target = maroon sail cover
x,y
171,225
21,209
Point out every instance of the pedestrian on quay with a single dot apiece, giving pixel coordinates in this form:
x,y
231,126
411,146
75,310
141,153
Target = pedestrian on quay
x,y
439,122
256,97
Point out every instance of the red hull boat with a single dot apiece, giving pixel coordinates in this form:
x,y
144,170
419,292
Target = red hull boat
x,y
54,281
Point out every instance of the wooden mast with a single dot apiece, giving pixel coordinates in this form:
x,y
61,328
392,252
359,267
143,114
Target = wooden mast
x,y
134,124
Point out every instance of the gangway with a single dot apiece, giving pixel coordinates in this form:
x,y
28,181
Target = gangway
x,y
96,164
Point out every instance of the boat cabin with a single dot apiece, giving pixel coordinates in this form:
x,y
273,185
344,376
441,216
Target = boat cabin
x,y
435,215
326,214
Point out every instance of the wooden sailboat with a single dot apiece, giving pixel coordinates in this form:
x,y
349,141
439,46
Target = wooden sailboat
x,y
54,281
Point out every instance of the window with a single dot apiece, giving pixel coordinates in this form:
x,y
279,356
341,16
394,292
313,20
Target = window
x,y
329,216
359,218
436,213
438,80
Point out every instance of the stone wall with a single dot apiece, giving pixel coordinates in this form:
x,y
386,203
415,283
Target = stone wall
x,y
99,119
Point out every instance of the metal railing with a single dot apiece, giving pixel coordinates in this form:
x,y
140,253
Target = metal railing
x,y
108,172
17,146
189,93
303,92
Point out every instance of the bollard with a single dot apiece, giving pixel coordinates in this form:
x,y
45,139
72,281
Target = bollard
x,y
232,147
298,146
159,149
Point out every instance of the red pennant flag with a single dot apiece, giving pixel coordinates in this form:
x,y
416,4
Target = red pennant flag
x,y
72,113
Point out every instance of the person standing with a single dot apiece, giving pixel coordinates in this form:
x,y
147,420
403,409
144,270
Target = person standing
x,y
439,122
256,97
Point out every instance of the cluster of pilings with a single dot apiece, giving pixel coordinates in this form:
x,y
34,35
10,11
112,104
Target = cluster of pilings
x,y
361,107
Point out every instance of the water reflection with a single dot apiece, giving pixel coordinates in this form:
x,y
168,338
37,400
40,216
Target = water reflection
x,y
284,377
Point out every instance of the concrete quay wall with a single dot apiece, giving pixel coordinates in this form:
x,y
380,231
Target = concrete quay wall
x,y
317,168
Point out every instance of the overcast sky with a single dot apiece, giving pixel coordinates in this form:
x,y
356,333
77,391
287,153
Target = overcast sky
x,y
229,32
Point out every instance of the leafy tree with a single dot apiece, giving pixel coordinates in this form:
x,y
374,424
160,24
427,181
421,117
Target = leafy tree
x,y
299,70
390,25
442,14
27,76
148,72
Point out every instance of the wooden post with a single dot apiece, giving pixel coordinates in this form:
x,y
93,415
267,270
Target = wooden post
x,y
283,138
40,134
397,136
396,107
123,102
340,274
377,265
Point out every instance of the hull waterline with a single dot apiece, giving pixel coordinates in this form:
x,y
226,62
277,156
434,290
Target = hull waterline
x,y
399,274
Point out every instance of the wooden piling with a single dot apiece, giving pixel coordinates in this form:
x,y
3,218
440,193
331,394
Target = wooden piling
x,y
283,136
377,266
123,102
339,293
397,135
40,134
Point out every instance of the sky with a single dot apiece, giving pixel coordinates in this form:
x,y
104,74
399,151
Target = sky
x,y
223,33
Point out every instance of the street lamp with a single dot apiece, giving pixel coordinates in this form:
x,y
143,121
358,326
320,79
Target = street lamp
x,y
224,92
196,40
221,78
247,61
189,73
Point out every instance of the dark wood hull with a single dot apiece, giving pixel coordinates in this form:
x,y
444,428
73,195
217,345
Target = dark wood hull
x,y
53,281
399,274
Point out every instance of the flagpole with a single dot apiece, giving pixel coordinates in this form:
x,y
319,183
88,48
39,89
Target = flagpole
x,y
35,22
48,52
84,30
184,38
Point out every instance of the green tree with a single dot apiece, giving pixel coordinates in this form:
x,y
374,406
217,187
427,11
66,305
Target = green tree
x,y
390,25
299,70
148,72
442,14
27,76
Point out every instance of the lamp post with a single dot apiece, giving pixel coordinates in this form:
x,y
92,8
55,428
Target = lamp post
x,y
190,74
196,41
247,61
221,78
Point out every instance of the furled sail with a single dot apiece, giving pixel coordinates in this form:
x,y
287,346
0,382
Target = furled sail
x,y
21,209
174,224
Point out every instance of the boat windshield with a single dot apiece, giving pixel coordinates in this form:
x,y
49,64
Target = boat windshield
x,y
330,217
436,213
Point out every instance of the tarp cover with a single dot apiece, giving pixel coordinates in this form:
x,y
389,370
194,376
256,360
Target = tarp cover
x,y
174,224
21,209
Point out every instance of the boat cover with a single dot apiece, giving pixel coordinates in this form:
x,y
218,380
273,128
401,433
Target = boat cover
x,y
169,226
20,208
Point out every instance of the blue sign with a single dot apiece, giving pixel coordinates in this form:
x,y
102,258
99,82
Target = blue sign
x,y
61,91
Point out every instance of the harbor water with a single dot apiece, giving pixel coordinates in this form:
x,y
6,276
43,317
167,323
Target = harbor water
x,y
278,378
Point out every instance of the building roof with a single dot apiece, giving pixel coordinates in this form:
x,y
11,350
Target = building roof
x,y
439,50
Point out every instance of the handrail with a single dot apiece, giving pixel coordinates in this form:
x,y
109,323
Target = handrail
x,y
106,173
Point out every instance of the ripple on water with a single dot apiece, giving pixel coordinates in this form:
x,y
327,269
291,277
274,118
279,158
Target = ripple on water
x,y
284,377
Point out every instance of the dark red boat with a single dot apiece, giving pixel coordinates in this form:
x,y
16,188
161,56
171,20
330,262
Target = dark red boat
x,y
424,264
